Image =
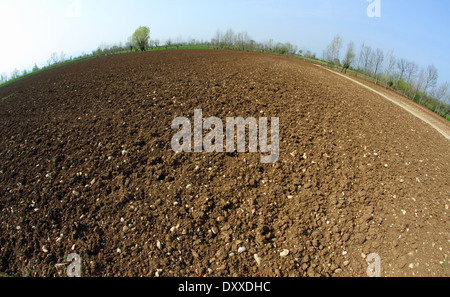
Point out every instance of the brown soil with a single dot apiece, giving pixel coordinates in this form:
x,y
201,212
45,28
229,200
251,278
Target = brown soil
x,y
356,174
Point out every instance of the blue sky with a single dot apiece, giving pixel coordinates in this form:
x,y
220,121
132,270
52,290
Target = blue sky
x,y
31,30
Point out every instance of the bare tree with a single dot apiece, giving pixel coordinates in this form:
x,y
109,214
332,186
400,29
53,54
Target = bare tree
x,y
229,38
308,54
53,59
246,38
129,43
326,55
191,41
3,77
217,40
290,48
419,83
410,71
390,64
364,59
242,40
15,74
447,100
269,45
441,93
179,41
401,65
332,52
62,57
431,77
377,62
349,57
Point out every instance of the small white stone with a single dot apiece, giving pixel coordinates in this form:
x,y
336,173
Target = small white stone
x,y
242,249
284,253
258,259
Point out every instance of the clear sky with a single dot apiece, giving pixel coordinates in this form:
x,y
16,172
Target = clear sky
x,y
31,30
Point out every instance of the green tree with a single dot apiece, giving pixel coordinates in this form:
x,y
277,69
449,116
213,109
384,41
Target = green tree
x,y
141,38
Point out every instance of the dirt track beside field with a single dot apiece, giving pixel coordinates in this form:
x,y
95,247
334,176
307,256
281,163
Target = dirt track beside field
x,y
86,167
438,123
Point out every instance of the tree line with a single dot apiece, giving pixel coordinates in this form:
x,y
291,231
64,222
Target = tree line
x,y
140,41
383,68
399,74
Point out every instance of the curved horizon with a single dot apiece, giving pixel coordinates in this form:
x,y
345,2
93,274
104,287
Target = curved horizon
x,y
415,30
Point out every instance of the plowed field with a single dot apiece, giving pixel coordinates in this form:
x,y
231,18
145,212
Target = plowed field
x,y
86,167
